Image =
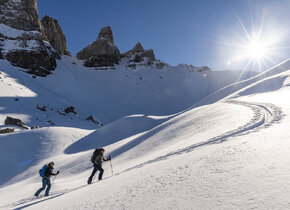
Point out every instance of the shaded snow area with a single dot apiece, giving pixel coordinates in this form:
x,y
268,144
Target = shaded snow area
x,y
179,138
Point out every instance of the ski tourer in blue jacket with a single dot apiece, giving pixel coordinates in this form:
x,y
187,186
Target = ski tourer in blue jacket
x,y
46,173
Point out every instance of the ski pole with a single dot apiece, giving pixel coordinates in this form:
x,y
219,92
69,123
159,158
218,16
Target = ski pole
x,y
111,167
53,179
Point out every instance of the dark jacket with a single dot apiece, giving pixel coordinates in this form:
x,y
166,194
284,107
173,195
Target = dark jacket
x,y
99,160
48,172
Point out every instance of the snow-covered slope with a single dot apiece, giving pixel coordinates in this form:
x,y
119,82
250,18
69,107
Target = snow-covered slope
x,y
232,154
112,94
127,101
232,88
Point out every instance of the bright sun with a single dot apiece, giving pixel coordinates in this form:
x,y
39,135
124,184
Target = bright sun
x,y
256,45
256,50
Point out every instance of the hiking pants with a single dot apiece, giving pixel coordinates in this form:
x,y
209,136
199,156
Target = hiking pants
x,y
45,182
97,168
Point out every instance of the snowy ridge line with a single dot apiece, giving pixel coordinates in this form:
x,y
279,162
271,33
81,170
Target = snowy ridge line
x,y
237,86
265,115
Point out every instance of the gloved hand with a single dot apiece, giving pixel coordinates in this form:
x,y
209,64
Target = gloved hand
x,y
109,157
57,172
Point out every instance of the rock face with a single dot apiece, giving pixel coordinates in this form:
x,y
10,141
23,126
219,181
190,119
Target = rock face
x,y
1,54
6,130
39,62
106,33
55,35
190,67
140,57
137,48
101,52
22,38
21,14
139,52
70,109
91,118
14,121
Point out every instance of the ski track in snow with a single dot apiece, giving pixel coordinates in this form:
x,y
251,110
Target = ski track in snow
x,y
32,200
24,203
265,115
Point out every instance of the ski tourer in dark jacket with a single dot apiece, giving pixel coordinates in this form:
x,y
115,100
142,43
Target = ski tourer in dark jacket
x,y
97,159
46,175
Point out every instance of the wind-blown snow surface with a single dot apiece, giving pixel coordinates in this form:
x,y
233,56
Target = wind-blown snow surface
x,y
233,154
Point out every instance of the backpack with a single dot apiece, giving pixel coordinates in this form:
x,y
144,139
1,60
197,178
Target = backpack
x,y
94,156
42,170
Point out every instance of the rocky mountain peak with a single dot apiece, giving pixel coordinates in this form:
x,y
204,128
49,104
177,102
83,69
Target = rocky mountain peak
x,y
138,56
54,35
138,51
20,14
21,38
101,52
138,47
29,43
106,33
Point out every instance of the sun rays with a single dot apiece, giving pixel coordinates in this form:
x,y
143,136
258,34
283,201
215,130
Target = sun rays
x,y
254,44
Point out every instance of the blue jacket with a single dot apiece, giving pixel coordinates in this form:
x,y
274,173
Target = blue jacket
x,y
48,172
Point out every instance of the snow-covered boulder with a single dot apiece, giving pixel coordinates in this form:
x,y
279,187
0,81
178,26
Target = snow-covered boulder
x,y
101,52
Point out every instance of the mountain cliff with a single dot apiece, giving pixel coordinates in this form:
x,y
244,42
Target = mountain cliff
x,y
27,42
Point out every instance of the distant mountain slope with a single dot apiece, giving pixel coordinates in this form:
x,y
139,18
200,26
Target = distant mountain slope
x,y
111,94
124,101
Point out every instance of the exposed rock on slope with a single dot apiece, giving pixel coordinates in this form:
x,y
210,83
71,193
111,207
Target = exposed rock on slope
x,y
6,130
39,62
15,121
140,57
22,39
54,34
22,14
101,52
193,68
139,52
137,48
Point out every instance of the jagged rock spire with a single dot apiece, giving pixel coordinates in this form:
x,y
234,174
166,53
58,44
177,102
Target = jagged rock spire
x,y
54,34
106,33
138,47
101,52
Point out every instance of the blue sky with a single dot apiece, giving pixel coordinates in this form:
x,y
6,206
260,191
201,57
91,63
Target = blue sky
x,y
202,32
